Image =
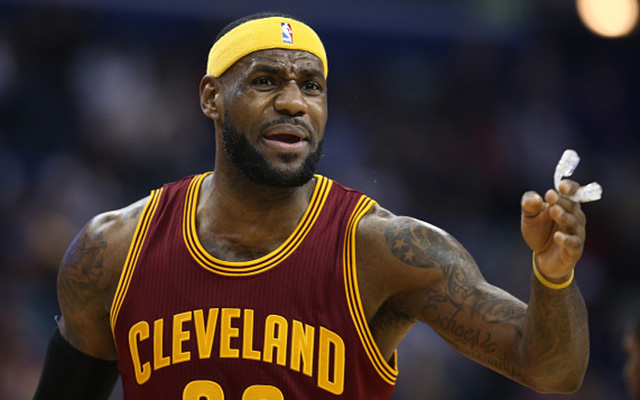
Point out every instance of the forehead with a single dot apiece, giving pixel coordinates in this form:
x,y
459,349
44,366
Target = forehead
x,y
285,60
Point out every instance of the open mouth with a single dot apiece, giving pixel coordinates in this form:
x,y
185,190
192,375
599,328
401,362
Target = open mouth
x,y
284,138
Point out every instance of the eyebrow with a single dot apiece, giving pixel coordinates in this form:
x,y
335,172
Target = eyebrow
x,y
312,73
263,68
303,72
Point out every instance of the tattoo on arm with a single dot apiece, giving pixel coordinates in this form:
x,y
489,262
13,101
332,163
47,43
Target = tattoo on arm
x,y
547,339
81,271
451,307
414,244
559,319
422,246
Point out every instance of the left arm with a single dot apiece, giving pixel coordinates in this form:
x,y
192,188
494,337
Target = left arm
x,y
423,273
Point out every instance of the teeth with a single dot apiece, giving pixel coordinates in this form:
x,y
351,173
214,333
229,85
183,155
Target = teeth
x,y
285,138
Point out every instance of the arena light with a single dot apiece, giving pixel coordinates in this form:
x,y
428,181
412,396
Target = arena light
x,y
609,18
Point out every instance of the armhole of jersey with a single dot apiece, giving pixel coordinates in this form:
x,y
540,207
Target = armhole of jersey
x,y
132,256
387,372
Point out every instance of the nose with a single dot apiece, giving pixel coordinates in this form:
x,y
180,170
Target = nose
x,y
290,100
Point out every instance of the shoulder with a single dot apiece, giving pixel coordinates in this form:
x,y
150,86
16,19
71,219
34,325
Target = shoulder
x,y
409,240
99,250
399,253
117,225
89,274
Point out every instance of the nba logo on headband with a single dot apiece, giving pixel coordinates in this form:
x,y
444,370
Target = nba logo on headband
x,y
287,33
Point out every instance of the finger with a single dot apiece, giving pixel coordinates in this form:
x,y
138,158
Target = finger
x,y
552,197
568,187
567,205
572,243
532,204
573,223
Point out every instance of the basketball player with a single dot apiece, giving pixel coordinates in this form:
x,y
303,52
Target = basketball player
x,y
631,346
264,281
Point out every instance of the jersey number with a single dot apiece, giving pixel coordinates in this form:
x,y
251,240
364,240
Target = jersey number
x,y
209,390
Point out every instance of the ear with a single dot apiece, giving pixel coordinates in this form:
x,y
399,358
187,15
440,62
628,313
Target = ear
x,y
209,97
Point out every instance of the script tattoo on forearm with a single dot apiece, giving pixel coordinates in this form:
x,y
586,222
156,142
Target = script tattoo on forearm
x,y
502,363
452,306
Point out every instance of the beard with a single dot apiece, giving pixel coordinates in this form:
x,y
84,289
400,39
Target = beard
x,y
256,167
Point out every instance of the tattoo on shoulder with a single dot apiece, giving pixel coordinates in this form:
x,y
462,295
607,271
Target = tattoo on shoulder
x,y
408,242
422,246
81,271
419,245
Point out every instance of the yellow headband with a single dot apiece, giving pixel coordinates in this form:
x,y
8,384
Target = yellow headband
x,y
263,34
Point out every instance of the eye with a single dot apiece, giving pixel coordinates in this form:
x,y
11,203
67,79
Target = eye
x,y
311,86
264,81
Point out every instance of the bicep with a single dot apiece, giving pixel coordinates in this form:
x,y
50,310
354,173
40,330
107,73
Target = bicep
x,y
85,285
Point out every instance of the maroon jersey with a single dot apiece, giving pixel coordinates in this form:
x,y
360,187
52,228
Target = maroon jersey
x,y
288,325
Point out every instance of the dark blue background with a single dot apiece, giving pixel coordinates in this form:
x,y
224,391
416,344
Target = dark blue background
x,y
446,112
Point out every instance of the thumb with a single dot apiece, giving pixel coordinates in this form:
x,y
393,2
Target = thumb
x,y
532,204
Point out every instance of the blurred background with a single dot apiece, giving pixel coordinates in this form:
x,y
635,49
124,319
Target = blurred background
x,y
446,111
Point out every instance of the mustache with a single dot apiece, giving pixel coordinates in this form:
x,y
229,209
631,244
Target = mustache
x,y
291,121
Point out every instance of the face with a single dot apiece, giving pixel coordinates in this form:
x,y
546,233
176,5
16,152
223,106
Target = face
x,y
632,365
274,115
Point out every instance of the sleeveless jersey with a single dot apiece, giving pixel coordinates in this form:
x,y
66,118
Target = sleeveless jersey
x,y
288,325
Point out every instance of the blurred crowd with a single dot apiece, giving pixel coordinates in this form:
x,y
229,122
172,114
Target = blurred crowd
x,y
99,107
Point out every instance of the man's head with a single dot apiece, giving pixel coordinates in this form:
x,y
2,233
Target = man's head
x,y
265,89
631,344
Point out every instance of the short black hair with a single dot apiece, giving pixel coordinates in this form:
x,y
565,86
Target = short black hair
x,y
260,15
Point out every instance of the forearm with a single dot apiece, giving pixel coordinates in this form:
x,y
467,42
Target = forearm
x,y
555,341
543,345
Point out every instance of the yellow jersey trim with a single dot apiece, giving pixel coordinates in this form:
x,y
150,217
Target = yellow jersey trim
x,y
387,372
264,263
132,256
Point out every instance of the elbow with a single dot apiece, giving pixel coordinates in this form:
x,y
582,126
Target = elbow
x,y
572,386
559,382
565,387
575,382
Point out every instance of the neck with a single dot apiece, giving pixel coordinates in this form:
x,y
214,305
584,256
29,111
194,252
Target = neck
x,y
241,219
233,190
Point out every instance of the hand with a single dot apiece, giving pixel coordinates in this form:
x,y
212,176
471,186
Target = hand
x,y
554,228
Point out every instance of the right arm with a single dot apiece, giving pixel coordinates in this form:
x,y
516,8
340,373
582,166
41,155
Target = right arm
x,y
80,362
